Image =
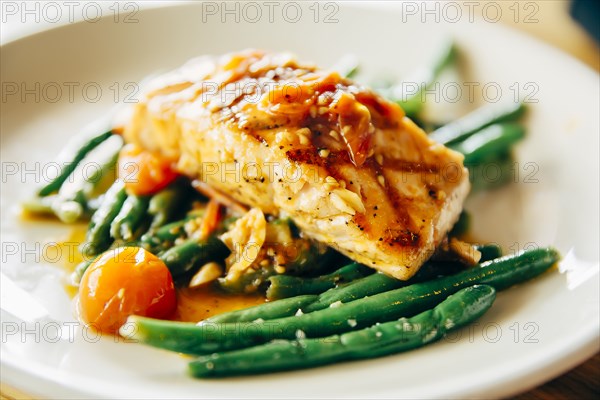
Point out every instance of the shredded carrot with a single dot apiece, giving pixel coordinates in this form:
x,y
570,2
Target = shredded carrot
x,y
212,218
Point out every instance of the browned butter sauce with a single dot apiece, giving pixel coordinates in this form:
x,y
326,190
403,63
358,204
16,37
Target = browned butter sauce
x,y
194,305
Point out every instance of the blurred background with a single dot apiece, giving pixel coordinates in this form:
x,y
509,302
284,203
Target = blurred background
x,y
570,25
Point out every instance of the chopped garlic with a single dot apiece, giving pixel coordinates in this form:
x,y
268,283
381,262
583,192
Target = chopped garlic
x,y
340,204
245,239
352,199
207,273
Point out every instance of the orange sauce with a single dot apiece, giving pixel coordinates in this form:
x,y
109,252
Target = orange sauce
x,y
67,249
65,253
28,216
194,305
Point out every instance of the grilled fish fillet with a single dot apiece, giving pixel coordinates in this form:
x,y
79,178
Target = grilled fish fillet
x,y
345,164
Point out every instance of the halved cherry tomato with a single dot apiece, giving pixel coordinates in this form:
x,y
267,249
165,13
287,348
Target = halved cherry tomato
x,y
123,282
144,172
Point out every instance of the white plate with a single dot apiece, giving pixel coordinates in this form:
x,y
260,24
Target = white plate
x,y
533,333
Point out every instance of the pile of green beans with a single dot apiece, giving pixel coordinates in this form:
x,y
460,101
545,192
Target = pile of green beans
x,y
118,218
73,204
84,150
227,348
282,286
111,227
392,337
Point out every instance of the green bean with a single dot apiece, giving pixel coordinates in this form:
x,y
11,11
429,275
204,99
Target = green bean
x,y
208,338
92,184
71,208
494,171
512,269
192,254
68,211
165,236
413,104
378,283
372,284
282,286
311,256
249,281
270,310
88,146
367,286
308,259
39,205
456,311
98,237
475,121
73,199
489,251
130,218
164,205
495,139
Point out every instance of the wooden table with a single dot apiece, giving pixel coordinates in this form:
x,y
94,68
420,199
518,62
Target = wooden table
x,y
582,382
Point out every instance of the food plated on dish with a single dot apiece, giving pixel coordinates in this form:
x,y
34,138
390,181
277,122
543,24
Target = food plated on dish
x,y
256,175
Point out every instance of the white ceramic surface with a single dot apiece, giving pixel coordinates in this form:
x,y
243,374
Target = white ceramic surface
x,y
534,332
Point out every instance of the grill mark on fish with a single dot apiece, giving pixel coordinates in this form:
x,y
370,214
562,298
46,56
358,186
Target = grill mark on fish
x,y
404,237
411,167
306,156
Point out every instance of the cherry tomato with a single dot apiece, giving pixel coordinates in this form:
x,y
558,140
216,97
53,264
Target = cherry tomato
x,y
144,172
123,282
